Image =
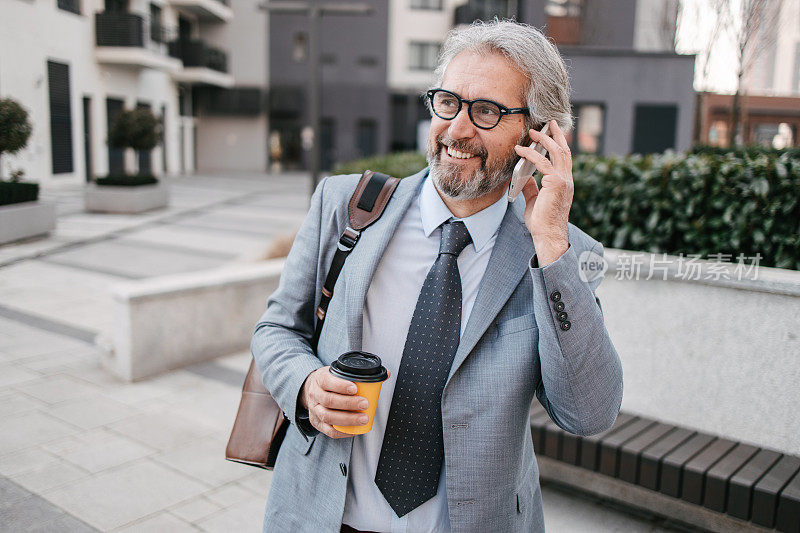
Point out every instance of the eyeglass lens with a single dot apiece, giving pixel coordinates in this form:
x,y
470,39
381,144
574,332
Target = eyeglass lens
x,y
484,113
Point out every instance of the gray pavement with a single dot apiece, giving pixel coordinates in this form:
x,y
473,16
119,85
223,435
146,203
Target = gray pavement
x,y
82,451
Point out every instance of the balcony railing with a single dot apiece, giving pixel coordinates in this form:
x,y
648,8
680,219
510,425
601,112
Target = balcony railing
x,y
119,29
196,53
73,6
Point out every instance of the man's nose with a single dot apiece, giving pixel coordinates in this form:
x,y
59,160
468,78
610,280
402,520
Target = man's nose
x,y
461,127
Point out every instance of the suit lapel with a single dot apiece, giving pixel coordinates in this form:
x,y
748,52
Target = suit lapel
x,y
507,264
360,267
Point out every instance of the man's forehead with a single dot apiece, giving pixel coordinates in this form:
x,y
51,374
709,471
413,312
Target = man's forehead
x,y
484,74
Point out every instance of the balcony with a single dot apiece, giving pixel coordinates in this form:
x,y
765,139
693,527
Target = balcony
x,y
213,10
202,63
121,40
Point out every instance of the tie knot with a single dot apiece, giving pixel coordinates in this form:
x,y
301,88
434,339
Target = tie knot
x,y
455,238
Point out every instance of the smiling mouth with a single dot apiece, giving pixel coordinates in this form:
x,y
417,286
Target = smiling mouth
x,y
458,154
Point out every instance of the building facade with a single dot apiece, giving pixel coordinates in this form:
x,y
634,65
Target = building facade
x,y
76,64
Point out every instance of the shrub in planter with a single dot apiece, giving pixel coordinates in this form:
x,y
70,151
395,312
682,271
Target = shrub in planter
x,y
138,129
16,192
127,180
15,128
399,164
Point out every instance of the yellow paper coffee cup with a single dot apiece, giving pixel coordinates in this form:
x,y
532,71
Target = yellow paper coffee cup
x,y
366,371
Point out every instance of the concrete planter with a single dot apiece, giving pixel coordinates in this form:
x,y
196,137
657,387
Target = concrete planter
x,y
26,219
129,200
173,321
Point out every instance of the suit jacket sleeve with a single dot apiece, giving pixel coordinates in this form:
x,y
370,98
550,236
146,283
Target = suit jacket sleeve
x,y
281,343
581,385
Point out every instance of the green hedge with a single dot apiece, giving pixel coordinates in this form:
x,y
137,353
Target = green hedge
x,y
125,180
17,192
399,165
737,202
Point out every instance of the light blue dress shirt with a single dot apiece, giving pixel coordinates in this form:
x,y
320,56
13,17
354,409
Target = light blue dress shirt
x,y
388,309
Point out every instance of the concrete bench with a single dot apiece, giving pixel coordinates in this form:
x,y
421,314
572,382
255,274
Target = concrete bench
x,y
689,476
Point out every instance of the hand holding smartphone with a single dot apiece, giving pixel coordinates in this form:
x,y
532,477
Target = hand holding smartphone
x,y
525,169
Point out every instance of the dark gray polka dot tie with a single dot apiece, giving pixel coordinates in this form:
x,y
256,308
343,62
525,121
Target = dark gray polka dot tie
x,y
413,450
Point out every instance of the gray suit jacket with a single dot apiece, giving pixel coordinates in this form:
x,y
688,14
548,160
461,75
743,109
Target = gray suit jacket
x,y
512,348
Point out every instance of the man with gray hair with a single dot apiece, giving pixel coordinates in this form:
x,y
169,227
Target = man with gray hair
x,y
474,304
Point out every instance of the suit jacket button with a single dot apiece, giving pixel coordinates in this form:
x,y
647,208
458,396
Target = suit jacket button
x,y
559,306
343,468
565,325
562,316
555,296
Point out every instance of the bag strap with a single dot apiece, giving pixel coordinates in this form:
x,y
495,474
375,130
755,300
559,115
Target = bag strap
x,y
366,206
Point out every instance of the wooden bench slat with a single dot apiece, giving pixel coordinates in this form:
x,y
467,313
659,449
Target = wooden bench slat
x,y
718,476
652,457
552,439
631,451
740,487
672,465
765,493
571,448
609,446
694,472
590,452
788,519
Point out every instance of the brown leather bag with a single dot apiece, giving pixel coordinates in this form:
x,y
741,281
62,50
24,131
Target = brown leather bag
x,y
260,425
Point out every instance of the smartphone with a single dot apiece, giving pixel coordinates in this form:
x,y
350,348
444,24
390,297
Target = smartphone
x,y
525,169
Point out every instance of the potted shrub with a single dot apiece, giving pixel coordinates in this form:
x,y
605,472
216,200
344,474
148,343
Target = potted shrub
x,y
138,129
21,216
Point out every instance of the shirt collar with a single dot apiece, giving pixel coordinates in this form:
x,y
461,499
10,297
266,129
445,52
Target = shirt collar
x,y
481,225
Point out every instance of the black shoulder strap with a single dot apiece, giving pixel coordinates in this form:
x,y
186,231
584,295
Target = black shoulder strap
x,y
366,206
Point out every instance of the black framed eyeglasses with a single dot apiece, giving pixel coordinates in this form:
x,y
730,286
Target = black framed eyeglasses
x,y
485,114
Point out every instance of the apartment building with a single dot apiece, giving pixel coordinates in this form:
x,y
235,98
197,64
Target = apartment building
x,y
630,91
76,64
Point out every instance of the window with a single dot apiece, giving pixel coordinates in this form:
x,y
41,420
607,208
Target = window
x,y
367,61
300,48
116,156
654,128
587,135
366,130
327,59
423,56
426,4
156,31
73,6
563,8
60,117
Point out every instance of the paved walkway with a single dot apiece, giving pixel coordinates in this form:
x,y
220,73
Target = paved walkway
x,y
81,450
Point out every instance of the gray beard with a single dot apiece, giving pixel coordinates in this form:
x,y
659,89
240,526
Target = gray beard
x,y
447,177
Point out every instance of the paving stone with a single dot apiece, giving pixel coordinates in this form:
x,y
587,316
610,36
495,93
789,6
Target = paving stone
x,y
28,513
56,473
11,374
158,524
161,430
195,509
92,411
30,429
257,481
102,450
204,460
58,388
244,516
24,460
121,495
14,403
229,495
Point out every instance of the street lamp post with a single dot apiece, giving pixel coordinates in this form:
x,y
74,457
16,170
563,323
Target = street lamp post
x,y
314,10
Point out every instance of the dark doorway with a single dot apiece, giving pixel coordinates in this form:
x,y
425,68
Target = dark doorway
x,y
116,156
60,117
366,132
87,136
163,120
654,128
144,156
116,6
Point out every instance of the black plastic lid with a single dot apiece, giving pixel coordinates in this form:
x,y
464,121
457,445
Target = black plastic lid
x,y
359,366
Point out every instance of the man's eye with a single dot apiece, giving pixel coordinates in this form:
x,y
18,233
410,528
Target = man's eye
x,y
449,102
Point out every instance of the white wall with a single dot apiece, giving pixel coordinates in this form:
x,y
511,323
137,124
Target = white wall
x,y
35,31
654,28
720,356
406,25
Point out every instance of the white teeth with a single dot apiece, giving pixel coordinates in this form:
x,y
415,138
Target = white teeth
x,y
458,154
